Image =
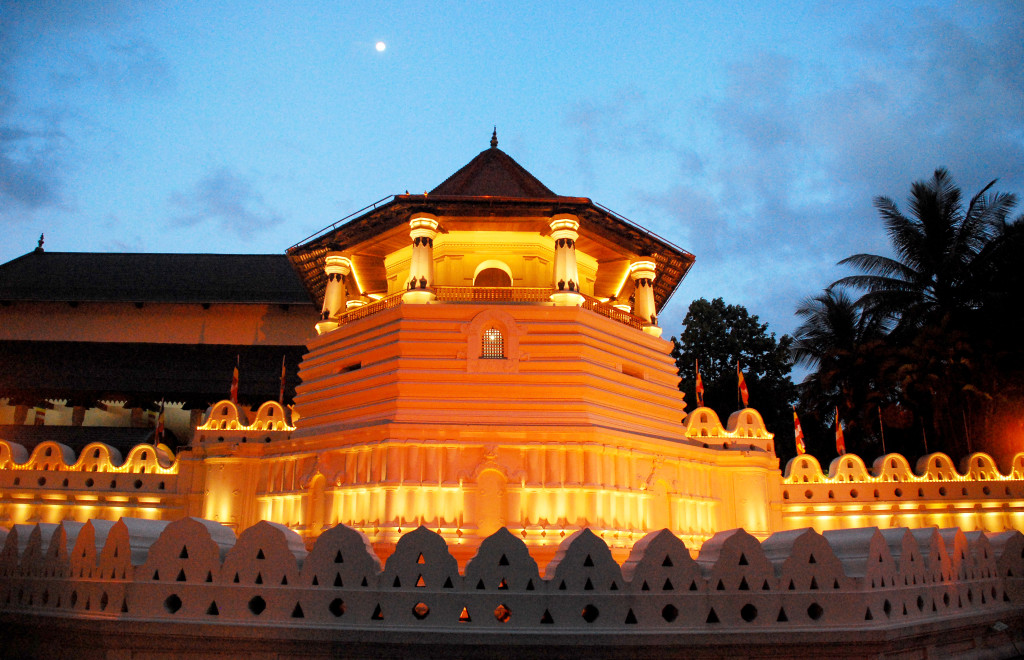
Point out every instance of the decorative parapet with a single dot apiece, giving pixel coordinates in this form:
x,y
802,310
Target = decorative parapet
x,y
52,484
746,430
894,468
194,571
891,494
95,457
226,419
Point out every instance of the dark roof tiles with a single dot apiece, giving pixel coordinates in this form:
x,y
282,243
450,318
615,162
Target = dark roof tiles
x,y
139,277
493,173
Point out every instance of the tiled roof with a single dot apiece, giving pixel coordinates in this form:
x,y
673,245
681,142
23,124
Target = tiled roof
x,y
139,277
493,173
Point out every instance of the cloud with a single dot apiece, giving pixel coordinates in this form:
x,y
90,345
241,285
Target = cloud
x,y
227,200
120,69
782,189
31,164
41,118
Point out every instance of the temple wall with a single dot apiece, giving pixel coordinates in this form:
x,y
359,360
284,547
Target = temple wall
x,y
254,324
420,363
854,593
51,484
543,485
973,496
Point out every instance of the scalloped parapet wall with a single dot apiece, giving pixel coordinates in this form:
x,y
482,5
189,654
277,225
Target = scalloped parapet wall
x,y
195,571
51,484
850,468
745,430
227,421
974,496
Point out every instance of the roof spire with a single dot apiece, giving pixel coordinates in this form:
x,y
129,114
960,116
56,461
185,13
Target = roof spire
x,y
39,245
494,138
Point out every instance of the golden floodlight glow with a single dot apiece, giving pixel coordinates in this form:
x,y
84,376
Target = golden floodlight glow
x,y
645,265
423,221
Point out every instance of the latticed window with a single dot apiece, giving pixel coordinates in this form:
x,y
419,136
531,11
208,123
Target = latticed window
x,y
493,344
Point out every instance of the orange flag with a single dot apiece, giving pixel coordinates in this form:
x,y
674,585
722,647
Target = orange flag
x,y
840,443
700,386
799,434
234,383
744,393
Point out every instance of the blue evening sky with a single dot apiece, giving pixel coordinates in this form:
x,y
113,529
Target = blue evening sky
x,y
751,134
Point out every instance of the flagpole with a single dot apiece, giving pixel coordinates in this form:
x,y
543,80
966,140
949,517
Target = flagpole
x,y
881,429
281,396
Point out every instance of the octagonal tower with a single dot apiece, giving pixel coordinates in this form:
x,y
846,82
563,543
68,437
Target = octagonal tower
x,y
489,356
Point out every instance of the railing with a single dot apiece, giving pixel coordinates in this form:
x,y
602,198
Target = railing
x,y
501,294
334,225
615,314
394,300
494,294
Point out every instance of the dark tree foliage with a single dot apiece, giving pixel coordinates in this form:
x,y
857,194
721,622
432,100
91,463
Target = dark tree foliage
x,y
717,336
948,368
843,344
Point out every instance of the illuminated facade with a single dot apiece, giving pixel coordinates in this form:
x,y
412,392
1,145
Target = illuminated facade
x,y
485,356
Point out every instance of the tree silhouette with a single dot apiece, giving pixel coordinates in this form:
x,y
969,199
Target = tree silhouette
x,y
718,336
951,298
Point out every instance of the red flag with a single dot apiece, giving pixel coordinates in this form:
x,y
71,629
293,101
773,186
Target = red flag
x,y
700,386
280,398
744,393
798,434
40,419
234,386
840,443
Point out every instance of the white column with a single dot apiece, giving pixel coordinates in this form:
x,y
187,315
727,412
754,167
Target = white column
x,y
642,272
423,230
566,278
336,267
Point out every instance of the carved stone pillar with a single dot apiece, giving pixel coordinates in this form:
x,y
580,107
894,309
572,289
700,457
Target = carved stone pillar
x,y
642,272
423,230
566,278
337,268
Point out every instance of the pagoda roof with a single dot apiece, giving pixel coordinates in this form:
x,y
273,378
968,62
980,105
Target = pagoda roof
x,y
491,191
493,173
144,277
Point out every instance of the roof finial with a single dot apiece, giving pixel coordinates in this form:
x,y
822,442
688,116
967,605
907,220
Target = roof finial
x,y
39,245
494,138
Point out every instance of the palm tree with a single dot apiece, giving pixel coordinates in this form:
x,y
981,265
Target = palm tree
x,y
949,272
844,345
935,271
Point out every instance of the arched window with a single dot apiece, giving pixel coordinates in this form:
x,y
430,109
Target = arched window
x,y
492,277
492,345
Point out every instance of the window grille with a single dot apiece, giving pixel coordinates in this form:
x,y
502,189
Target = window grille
x,y
493,344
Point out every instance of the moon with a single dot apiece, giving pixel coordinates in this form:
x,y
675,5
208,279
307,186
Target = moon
x,y
380,46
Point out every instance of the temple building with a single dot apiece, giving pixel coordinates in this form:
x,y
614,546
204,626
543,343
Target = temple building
x,y
482,356
436,398
92,344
